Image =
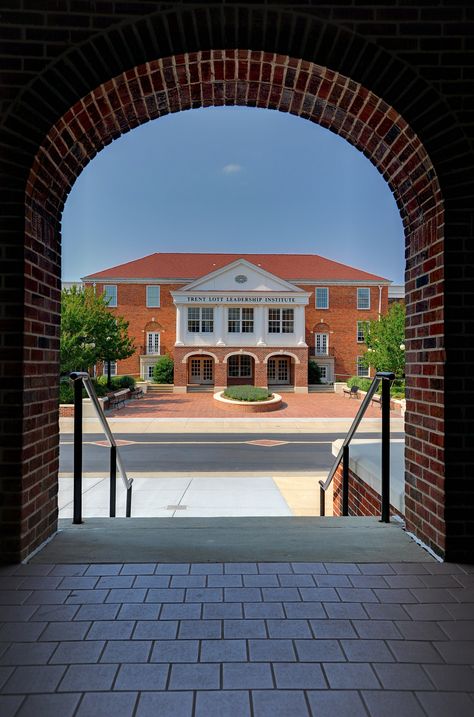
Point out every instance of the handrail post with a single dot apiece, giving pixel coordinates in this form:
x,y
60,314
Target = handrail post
x,y
77,487
345,481
385,488
322,501
113,481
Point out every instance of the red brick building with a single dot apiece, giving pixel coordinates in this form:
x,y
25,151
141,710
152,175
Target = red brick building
x,y
244,318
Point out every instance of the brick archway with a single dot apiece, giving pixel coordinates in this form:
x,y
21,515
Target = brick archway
x,y
274,81
333,101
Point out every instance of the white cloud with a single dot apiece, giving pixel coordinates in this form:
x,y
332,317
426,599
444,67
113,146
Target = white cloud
x,y
232,168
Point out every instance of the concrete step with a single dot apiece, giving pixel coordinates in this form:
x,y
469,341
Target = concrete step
x,y
170,540
321,388
194,388
160,388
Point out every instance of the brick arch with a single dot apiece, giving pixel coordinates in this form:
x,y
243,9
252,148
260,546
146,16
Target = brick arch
x,y
199,352
325,97
153,326
241,352
282,353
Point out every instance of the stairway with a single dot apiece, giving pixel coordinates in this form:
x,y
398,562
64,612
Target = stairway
x,y
198,388
160,388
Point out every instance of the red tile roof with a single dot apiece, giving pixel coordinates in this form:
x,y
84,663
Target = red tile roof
x,y
187,266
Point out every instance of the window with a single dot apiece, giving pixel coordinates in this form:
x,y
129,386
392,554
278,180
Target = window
x,y
363,298
153,342
281,321
153,296
110,294
149,371
322,297
113,368
240,321
322,342
323,372
200,319
362,327
239,366
362,371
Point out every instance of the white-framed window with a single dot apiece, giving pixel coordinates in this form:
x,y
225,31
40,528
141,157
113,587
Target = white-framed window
x,y
153,342
322,343
113,368
153,296
363,298
110,294
149,371
200,320
281,321
240,320
239,366
322,297
323,372
362,327
362,370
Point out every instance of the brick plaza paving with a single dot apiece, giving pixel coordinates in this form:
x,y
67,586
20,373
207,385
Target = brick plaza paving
x,y
203,405
237,639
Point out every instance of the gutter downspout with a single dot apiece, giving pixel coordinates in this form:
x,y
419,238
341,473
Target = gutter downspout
x,y
380,302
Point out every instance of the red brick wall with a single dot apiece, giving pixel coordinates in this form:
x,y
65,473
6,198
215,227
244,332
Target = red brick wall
x,y
341,319
363,499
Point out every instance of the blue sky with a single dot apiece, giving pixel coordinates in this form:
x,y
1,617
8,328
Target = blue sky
x,y
231,179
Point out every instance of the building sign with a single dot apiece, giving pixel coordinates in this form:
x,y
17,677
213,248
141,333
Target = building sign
x,y
237,299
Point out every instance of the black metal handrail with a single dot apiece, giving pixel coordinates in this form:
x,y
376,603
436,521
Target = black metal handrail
x,y
385,378
79,379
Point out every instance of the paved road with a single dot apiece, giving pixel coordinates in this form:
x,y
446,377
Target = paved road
x,y
212,453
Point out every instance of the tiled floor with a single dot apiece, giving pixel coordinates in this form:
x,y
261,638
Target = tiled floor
x,y
203,405
251,639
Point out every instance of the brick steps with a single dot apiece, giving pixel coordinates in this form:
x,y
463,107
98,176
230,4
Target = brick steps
x,y
160,388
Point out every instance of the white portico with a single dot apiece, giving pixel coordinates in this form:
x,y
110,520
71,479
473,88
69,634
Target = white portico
x,y
240,308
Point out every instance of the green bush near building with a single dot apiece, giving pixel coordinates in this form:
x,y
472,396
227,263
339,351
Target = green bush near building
x,y
247,393
397,389
314,373
163,371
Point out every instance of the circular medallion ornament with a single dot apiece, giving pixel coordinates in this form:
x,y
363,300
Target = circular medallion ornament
x,y
240,278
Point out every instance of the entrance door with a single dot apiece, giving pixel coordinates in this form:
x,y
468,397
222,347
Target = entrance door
x,y
278,370
201,370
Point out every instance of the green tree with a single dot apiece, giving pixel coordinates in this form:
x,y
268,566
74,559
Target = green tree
x,y
385,341
163,370
90,332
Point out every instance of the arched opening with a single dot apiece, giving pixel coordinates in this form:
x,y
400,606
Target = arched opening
x,y
320,95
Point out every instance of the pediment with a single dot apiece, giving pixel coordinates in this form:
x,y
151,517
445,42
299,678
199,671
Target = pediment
x,y
241,275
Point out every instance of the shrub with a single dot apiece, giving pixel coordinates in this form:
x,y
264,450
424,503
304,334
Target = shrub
x,y
247,393
66,392
163,370
362,383
125,381
314,372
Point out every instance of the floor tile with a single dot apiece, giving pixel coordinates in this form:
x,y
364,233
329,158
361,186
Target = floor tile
x,y
55,613
244,628
332,629
141,677
96,611
181,611
106,704
185,581
138,569
165,704
111,630
281,703
27,680
240,568
48,705
9,705
153,630
223,651
119,595
376,630
423,630
402,677
226,703
204,595
264,610
392,704
28,653
345,610
441,704
162,595
319,651
337,703
175,651
299,676
247,676
303,581
261,581
458,678
304,610
242,595
271,651
194,677
222,611
288,628
108,569
68,653
200,629
118,581
350,676
367,651
414,651
65,631
117,651
220,581
21,631
87,678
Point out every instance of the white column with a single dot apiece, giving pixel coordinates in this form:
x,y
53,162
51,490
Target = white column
x,y
300,326
179,325
260,328
219,324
